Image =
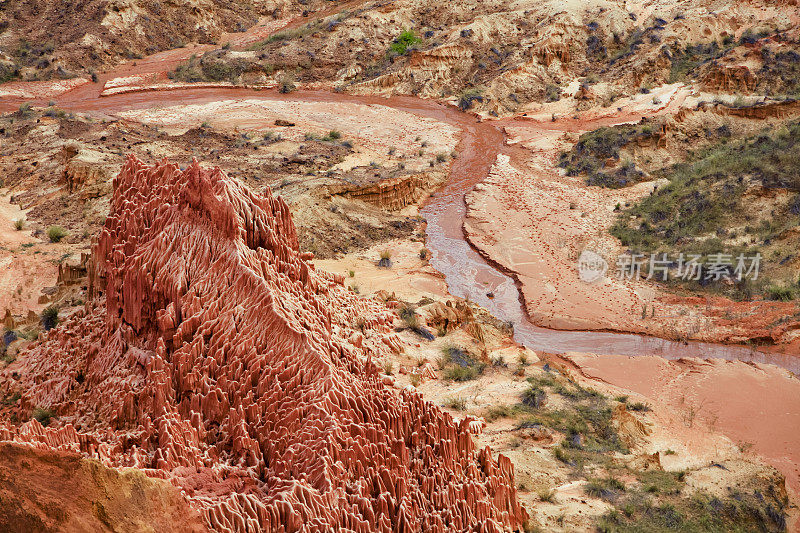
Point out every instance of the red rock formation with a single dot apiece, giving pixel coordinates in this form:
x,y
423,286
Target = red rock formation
x,y
729,78
213,355
391,193
70,273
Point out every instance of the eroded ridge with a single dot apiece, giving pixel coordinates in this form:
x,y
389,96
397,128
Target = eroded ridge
x,y
214,355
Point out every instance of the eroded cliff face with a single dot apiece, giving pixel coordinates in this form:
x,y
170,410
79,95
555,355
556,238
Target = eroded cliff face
x,y
214,355
392,193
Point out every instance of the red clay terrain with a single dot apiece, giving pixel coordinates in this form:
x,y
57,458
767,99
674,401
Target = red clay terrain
x,y
215,356
214,379
51,490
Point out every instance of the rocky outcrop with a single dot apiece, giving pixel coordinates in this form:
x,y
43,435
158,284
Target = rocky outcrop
x,y
729,78
85,171
215,356
392,193
71,272
447,316
785,109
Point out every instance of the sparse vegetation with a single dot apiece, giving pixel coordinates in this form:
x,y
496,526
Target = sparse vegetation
x,y
707,194
406,40
636,510
385,260
286,84
552,93
496,412
607,489
639,407
781,293
585,420
534,397
547,495
25,110
469,97
459,404
215,66
591,155
43,415
56,233
686,60
49,317
460,365
409,315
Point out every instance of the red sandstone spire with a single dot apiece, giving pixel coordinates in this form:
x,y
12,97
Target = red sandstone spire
x,y
215,356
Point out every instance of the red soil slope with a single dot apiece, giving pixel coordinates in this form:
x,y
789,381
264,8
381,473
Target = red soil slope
x,y
215,356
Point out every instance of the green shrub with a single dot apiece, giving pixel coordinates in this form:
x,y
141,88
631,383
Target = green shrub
x,y
406,40
468,99
19,224
605,489
534,397
50,317
56,233
286,85
461,373
686,61
496,412
43,415
780,293
592,151
639,406
459,404
25,110
215,67
409,315
552,93
8,72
